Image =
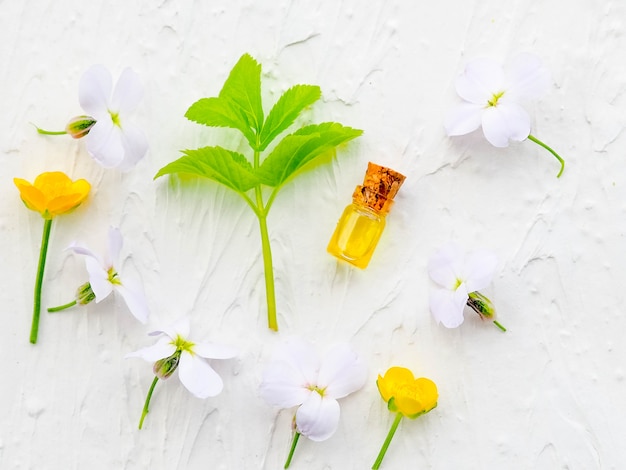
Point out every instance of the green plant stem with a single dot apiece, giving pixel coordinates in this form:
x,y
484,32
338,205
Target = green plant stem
x,y
34,328
268,268
383,449
45,132
497,323
252,205
549,149
270,200
62,307
294,443
147,403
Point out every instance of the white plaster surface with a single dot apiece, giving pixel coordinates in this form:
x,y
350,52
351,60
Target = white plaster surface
x,y
548,394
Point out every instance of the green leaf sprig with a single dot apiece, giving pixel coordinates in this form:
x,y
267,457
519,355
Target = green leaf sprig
x,y
239,106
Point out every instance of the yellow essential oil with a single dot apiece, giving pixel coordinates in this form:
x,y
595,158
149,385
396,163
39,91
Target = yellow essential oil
x,y
357,235
362,222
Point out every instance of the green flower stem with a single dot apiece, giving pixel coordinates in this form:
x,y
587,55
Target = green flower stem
x,y
495,322
62,307
34,328
145,406
45,132
549,149
294,443
383,450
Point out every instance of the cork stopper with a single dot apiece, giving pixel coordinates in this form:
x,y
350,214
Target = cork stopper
x,y
379,187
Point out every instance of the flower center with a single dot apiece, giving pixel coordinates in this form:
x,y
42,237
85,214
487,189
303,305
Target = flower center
x,y
115,117
494,99
457,284
410,390
113,277
315,388
183,345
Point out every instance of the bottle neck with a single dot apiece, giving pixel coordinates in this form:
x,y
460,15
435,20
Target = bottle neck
x,y
376,202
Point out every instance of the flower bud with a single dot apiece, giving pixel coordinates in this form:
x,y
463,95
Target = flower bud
x,y
481,305
85,294
79,126
165,367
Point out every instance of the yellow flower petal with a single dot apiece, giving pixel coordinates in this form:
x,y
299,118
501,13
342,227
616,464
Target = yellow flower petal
x,y
393,378
417,397
53,193
32,197
429,392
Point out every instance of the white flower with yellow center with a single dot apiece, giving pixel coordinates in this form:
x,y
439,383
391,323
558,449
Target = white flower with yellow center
x,y
104,277
176,351
113,141
493,98
298,377
459,277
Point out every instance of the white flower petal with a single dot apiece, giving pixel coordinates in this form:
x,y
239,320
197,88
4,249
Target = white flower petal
x,y
302,357
464,119
115,242
98,278
447,306
481,79
445,266
179,327
318,417
282,386
104,143
133,294
198,376
128,92
82,250
527,78
505,121
479,270
161,349
342,372
215,351
94,91
135,146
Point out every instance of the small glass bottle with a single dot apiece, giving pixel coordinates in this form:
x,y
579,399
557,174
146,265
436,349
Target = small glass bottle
x,y
363,221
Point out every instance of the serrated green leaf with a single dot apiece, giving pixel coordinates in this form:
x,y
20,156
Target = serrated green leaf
x,y
297,149
238,105
217,112
286,110
243,89
216,163
283,161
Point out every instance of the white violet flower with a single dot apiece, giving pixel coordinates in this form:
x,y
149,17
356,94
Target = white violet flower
x,y
298,377
492,100
112,141
459,277
175,350
105,278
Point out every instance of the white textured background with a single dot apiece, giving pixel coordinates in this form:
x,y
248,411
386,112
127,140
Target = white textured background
x,y
548,394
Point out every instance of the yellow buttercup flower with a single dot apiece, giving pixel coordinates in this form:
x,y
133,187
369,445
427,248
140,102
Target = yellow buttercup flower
x,y
53,193
405,394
